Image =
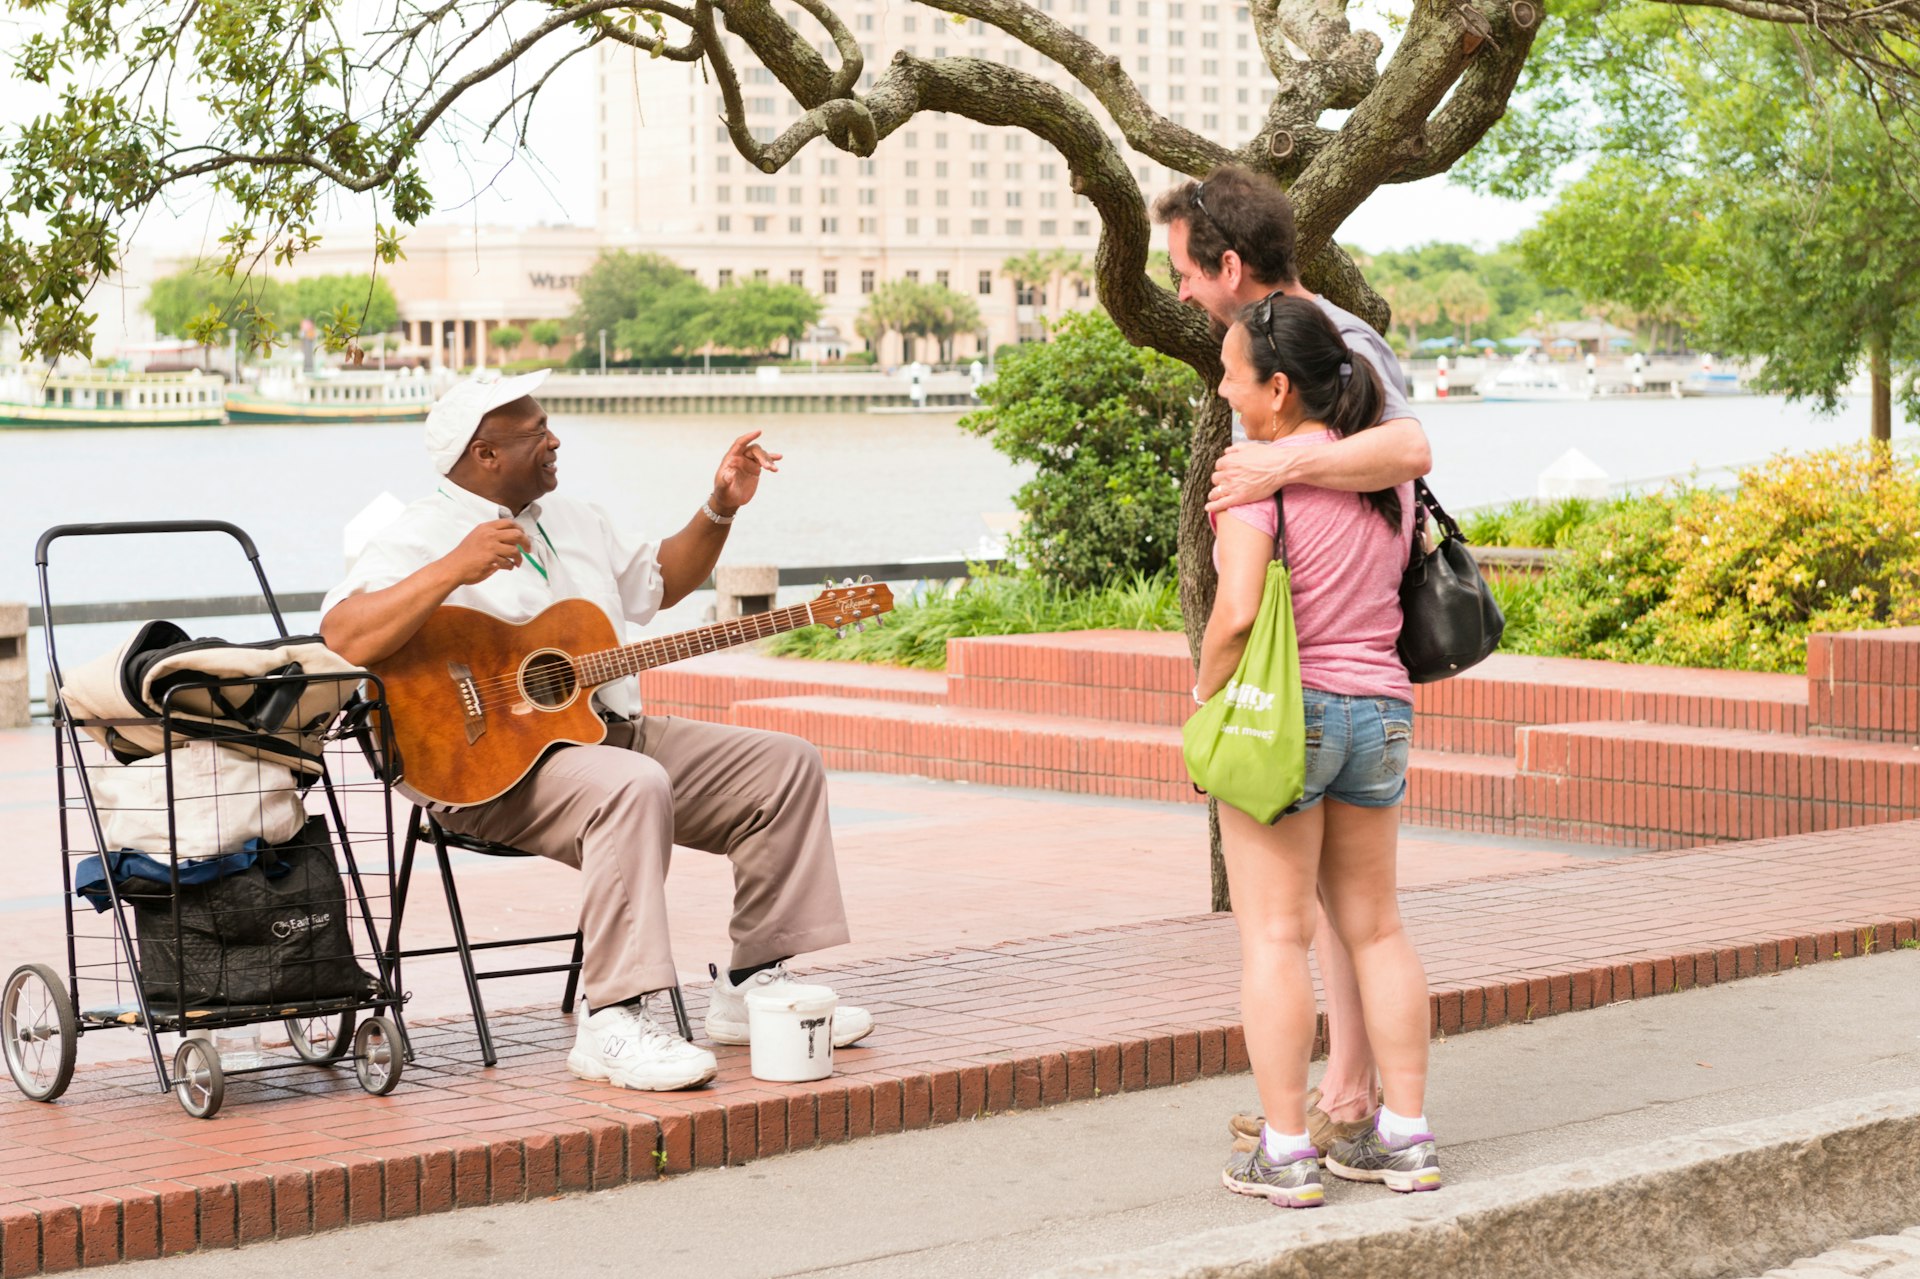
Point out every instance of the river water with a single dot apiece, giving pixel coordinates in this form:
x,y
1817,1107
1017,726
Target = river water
x,y
856,487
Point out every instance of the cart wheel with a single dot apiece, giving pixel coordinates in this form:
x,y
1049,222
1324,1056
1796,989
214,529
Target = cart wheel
x,y
320,1040
376,1055
41,1033
197,1080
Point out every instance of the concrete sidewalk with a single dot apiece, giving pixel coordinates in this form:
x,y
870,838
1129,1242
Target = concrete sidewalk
x,y
1080,1182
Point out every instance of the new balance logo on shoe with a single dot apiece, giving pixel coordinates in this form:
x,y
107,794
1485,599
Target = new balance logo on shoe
x,y
1248,697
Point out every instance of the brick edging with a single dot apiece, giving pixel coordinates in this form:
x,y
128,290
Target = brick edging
x,y
165,1217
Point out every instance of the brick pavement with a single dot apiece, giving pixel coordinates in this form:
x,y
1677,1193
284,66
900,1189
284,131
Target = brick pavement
x,y
115,1170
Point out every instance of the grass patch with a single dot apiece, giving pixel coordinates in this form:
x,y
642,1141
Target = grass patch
x,y
1534,524
917,631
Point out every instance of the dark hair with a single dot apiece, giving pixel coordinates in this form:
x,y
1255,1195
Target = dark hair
x,y
1238,209
1294,336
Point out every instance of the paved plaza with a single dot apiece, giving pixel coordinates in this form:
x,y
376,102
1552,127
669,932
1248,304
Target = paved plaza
x,y
1019,949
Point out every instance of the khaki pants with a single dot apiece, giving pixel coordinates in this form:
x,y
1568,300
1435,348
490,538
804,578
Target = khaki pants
x,y
615,811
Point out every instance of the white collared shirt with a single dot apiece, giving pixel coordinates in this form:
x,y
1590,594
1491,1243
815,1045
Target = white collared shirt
x,y
577,553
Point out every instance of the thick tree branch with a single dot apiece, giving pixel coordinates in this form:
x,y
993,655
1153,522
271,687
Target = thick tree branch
x,y
1146,130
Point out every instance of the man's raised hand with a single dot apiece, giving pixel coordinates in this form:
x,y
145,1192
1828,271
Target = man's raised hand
x,y
495,545
737,479
1247,473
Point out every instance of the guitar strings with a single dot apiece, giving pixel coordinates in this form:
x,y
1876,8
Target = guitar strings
x,y
551,682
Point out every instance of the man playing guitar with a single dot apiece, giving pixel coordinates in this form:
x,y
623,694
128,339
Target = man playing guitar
x,y
494,536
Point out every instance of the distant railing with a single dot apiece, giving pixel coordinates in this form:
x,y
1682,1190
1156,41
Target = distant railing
x,y
309,601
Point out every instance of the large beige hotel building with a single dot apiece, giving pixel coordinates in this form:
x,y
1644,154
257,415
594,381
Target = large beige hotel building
x,y
944,200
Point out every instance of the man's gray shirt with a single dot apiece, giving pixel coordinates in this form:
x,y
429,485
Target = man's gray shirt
x,y
1370,346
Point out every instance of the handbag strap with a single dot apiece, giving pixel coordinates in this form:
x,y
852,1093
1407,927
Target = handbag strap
x,y
1424,498
1280,530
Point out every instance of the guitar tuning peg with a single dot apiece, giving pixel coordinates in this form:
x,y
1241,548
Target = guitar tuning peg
x,y
840,632
860,627
881,620
846,581
866,579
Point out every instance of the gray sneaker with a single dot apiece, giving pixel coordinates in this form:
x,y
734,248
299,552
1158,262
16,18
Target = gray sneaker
x,y
1293,1182
1406,1166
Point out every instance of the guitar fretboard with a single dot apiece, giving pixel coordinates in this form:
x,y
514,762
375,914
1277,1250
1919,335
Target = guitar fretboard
x,y
611,664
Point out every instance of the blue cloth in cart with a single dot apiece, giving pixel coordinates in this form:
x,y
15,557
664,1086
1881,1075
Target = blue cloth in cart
x,y
131,869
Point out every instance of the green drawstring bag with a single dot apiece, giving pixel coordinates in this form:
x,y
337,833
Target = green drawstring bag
x,y
1248,745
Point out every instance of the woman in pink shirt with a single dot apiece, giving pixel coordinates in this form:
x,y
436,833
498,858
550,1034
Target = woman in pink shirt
x,y
1293,381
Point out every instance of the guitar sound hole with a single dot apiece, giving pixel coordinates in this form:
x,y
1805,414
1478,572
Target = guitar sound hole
x,y
549,680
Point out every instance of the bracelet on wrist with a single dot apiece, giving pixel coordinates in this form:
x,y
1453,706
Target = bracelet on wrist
x,y
706,509
1197,699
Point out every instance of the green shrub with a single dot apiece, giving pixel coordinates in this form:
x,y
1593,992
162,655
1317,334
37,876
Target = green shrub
x,y
1106,425
1528,523
1826,541
917,631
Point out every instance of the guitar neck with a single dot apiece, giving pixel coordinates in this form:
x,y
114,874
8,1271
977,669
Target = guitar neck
x,y
611,664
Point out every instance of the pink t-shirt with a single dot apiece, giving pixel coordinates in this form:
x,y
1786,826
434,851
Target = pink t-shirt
x,y
1346,568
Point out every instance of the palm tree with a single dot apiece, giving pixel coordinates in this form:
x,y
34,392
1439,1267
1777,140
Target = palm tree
x,y
1465,301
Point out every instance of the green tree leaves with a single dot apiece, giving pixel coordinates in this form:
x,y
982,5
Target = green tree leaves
x,y
653,309
204,305
1105,424
913,309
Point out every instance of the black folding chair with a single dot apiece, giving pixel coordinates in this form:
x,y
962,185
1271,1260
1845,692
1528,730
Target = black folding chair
x,y
422,825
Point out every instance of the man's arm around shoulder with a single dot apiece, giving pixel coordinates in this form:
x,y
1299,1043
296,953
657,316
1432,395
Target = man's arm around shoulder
x,y
1380,457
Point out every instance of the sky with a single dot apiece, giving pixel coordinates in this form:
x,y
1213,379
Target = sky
x,y
551,183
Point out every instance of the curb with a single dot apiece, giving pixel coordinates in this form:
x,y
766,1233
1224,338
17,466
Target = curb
x,y
1739,1199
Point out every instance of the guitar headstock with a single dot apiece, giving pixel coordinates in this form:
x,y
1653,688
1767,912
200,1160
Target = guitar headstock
x,y
851,603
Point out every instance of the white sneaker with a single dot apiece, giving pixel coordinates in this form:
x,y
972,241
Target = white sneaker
x,y
625,1047
727,1009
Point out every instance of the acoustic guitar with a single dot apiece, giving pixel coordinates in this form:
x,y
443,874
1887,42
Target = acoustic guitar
x,y
475,701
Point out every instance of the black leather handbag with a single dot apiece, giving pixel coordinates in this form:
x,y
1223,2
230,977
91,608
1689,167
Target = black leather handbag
x,y
1449,618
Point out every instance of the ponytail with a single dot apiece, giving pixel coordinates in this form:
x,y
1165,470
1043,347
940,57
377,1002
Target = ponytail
x,y
1294,336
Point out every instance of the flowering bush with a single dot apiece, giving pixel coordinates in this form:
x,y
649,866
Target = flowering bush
x,y
1826,541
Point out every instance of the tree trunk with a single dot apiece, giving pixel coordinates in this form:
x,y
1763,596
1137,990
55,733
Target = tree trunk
x,y
1881,374
1212,432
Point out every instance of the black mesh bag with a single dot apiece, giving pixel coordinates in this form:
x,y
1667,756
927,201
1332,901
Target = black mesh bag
x,y
274,934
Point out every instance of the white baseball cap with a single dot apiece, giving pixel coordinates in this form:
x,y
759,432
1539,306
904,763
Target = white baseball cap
x,y
456,415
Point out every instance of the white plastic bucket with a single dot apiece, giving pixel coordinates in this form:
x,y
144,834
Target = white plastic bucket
x,y
790,1031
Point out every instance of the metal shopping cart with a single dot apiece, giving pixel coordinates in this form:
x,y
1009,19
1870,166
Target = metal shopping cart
x,y
208,831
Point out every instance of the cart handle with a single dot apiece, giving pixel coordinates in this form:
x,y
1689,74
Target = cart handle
x,y
142,526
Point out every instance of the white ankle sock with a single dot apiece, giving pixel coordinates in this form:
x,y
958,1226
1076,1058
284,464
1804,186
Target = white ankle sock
x,y
1284,1145
1396,1127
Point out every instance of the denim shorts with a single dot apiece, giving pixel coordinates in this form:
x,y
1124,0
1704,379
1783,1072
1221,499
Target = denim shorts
x,y
1356,750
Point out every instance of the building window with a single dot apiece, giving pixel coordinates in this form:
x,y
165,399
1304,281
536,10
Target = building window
x,y
866,281
720,164
1049,228
913,226
726,277
940,198
723,194
1209,39
829,166
829,281
978,198
979,226
978,142
1210,93
760,226
909,24
723,223
1211,66
914,276
1083,228
939,142
943,278
760,273
1015,227
1049,198
866,22
760,194
869,196
795,226
913,196
829,226
797,278
869,226
986,277
943,226
1049,172
1176,66
1013,199
829,195
1013,171
795,195
912,169
1178,93
868,168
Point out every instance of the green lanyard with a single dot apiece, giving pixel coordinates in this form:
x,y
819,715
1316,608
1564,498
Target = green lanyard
x,y
531,557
